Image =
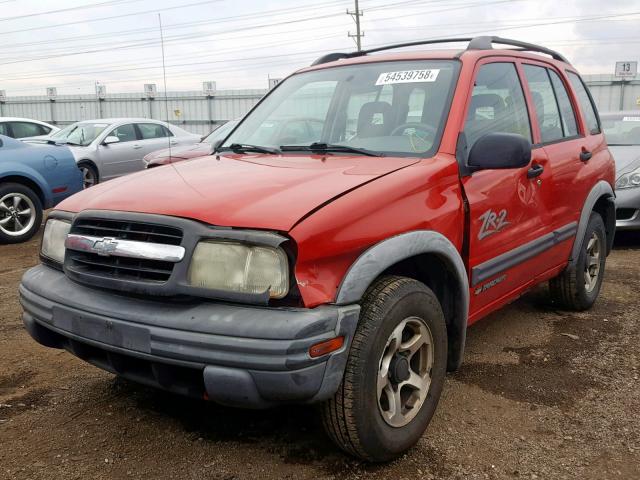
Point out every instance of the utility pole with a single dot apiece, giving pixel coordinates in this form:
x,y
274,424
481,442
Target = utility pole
x,y
356,14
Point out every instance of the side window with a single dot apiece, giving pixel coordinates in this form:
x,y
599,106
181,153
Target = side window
x,y
26,129
4,129
126,133
152,130
497,103
586,104
544,102
566,109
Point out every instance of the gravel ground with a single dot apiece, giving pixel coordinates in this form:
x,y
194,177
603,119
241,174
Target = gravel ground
x,y
543,394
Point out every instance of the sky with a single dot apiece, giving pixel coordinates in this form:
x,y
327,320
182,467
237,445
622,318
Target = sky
x,y
72,44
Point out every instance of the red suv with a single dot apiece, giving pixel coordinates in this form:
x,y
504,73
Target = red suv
x,y
342,265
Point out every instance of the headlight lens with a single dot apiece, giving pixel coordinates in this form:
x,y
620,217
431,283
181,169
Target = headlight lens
x,y
235,267
629,180
55,234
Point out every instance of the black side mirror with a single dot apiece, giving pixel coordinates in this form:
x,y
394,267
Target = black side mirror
x,y
500,151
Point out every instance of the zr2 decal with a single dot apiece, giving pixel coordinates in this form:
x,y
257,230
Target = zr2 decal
x,y
492,222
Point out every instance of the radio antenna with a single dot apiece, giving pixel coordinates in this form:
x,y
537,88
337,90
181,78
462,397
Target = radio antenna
x,y
164,75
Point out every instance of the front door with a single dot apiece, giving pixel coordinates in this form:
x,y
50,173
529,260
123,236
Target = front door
x,y
510,224
122,157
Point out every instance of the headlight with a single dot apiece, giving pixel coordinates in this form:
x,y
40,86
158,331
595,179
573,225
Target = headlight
x,y
629,180
55,233
235,267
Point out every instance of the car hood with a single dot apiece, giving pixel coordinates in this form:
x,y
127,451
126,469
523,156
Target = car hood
x,y
627,158
251,191
182,152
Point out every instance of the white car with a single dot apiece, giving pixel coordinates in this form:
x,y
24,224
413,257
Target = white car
x,y
15,127
108,148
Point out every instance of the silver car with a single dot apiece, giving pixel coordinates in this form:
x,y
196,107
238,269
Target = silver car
x,y
108,148
623,136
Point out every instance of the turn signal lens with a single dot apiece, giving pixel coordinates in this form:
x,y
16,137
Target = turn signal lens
x,y
328,346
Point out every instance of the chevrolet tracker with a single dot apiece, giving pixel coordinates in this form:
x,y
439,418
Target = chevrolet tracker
x,y
340,261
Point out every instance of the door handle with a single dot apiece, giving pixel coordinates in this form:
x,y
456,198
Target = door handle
x,y
535,171
137,147
585,155
173,142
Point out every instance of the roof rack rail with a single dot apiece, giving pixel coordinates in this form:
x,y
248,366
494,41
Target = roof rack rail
x,y
474,43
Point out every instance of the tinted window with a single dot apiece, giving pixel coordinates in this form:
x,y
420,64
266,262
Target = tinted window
x,y
567,113
497,103
153,130
126,133
589,111
544,102
27,129
4,130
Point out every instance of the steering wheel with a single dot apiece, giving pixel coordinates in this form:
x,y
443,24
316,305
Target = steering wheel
x,y
427,129
417,125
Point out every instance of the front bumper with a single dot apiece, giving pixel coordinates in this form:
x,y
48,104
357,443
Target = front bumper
x,y
628,209
236,355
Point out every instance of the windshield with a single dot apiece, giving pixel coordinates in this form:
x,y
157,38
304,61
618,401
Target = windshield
x,y
80,133
220,132
622,129
392,108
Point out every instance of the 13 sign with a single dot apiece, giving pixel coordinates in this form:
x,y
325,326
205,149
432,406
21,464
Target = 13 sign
x,y
626,69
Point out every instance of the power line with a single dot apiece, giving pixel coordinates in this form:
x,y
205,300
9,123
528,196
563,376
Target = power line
x,y
70,9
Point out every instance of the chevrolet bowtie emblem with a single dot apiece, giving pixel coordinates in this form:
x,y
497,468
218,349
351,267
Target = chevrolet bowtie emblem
x,y
105,247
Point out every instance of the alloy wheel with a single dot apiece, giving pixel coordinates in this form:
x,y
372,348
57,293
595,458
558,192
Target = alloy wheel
x,y
17,214
88,176
404,373
592,267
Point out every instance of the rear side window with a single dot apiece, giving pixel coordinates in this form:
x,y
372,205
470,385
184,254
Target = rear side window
x,y
586,105
4,130
497,103
153,130
544,102
566,109
27,129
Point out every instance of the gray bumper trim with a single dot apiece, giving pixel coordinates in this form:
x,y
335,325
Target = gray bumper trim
x,y
260,355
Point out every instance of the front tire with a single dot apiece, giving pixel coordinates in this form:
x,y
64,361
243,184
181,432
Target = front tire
x,y
578,288
89,175
20,213
394,374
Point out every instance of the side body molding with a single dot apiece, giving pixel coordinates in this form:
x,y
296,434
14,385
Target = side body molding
x,y
386,253
599,190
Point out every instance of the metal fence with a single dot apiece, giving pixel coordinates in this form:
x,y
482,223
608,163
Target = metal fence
x,y
193,111
200,113
613,94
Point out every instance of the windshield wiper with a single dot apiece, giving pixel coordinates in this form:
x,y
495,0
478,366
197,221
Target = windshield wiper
x,y
330,147
243,147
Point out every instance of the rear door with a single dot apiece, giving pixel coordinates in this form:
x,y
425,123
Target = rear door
x,y
556,131
123,157
509,221
153,137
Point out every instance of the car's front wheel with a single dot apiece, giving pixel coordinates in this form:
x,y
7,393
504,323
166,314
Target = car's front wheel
x,y
20,213
394,374
89,174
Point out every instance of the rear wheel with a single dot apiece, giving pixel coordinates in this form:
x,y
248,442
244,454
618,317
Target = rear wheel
x,y
89,174
578,288
20,213
394,374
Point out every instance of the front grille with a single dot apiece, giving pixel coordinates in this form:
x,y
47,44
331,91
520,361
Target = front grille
x,y
625,213
138,231
123,268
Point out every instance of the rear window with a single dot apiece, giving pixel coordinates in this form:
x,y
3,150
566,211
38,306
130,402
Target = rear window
x,y
588,109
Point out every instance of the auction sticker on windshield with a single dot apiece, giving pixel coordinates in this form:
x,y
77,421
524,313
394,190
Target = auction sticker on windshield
x,y
408,76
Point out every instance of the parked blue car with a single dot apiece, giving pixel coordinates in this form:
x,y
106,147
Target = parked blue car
x,y
32,178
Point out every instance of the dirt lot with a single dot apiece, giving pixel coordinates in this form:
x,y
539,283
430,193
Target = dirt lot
x,y
543,394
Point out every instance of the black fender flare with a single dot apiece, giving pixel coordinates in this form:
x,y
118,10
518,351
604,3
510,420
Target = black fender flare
x,y
379,257
599,190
